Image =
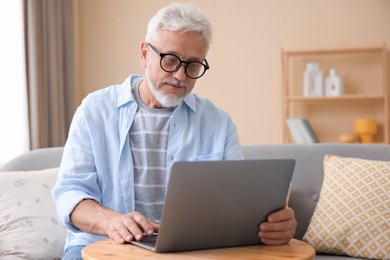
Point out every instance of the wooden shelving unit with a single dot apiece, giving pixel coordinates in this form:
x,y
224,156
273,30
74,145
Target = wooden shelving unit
x,y
366,95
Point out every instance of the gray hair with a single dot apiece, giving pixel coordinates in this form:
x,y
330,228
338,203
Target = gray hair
x,y
180,17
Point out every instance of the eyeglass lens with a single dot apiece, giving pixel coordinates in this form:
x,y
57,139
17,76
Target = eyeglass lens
x,y
171,63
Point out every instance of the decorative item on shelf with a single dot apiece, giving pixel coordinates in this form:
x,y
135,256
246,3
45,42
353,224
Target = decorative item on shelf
x,y
312,80
365,128
333,84
348,138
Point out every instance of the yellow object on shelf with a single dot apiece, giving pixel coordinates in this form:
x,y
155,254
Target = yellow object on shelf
x,y
365,128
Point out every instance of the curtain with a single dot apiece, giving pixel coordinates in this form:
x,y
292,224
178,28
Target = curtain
x,y
49,66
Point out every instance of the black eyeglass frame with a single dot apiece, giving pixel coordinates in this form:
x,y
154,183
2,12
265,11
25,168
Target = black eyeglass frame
x,y
162,55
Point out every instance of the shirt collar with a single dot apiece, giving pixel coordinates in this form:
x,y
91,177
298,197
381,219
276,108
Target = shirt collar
x,y
125,94
190,101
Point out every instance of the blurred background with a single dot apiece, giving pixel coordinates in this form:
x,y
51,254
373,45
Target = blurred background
x,y
98,44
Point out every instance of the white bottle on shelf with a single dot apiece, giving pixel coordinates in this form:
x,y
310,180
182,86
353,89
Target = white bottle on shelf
x,y
333,84
312,80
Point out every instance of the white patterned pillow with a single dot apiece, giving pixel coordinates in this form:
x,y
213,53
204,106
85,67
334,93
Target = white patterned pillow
x,y
28,219
352,216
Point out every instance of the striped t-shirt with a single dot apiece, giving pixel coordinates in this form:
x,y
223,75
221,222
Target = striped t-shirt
x,y
148,141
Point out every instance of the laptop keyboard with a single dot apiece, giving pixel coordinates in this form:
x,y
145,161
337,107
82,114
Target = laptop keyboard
x,y
149,240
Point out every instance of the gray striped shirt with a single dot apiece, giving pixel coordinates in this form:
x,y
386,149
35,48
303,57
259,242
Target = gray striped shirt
x,y
148,141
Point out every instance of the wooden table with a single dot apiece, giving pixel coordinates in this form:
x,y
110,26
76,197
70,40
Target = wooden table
x,y
108,249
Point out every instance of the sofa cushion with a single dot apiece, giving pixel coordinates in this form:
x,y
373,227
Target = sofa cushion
x,y
353,211
28,221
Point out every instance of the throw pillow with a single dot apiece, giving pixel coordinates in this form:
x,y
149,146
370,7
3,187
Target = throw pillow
x,y
353,212
28,218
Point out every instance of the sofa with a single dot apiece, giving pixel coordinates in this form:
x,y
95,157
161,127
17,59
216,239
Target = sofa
x,y
307,182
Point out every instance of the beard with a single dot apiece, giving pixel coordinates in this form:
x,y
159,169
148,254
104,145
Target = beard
x,y
169,100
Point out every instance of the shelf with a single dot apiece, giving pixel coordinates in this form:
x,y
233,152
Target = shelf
x,y
335,51
365,75
340,98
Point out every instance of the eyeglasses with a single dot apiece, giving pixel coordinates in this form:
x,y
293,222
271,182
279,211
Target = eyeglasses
x,y
172,63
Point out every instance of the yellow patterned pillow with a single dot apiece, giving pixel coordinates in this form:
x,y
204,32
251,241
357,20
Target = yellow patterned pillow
x,y
352,216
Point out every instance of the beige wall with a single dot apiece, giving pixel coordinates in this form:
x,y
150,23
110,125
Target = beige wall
x,y
245,75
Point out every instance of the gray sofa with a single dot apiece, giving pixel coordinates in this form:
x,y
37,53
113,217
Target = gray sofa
x,y
306,182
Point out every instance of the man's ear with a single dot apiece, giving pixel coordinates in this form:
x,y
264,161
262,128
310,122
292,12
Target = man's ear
x,y
144,54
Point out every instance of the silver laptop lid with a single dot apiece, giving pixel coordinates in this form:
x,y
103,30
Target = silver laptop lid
x,y
212,204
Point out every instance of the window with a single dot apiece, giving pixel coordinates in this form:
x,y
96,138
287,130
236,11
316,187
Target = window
x,y
14,134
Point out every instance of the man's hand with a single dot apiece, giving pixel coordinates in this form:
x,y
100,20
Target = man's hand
x,y
279,228
91,217
125,228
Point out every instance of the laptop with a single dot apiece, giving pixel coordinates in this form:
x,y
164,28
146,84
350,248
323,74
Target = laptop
x,y
215,204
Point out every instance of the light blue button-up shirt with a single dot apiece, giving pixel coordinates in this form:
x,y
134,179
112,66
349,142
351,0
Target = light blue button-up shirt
x,y
97,162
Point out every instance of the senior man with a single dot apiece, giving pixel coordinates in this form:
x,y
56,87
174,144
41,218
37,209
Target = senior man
x,y
124,139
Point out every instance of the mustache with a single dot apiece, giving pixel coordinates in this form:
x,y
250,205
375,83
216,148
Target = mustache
x,y
175,82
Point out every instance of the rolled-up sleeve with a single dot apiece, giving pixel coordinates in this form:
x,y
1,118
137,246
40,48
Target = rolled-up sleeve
x,y
77,179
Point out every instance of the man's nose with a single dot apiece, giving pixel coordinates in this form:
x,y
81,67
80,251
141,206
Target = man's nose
x,y
180,74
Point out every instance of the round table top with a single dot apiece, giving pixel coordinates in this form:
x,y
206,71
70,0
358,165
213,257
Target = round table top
x,y
108,249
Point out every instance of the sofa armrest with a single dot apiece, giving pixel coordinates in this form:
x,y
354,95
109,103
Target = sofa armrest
x,y
38,159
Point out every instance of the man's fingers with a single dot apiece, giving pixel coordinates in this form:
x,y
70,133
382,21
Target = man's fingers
x,y
135,230
276,235
281,215
130,226
155,226
274,242
143,223
114,235
278,226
